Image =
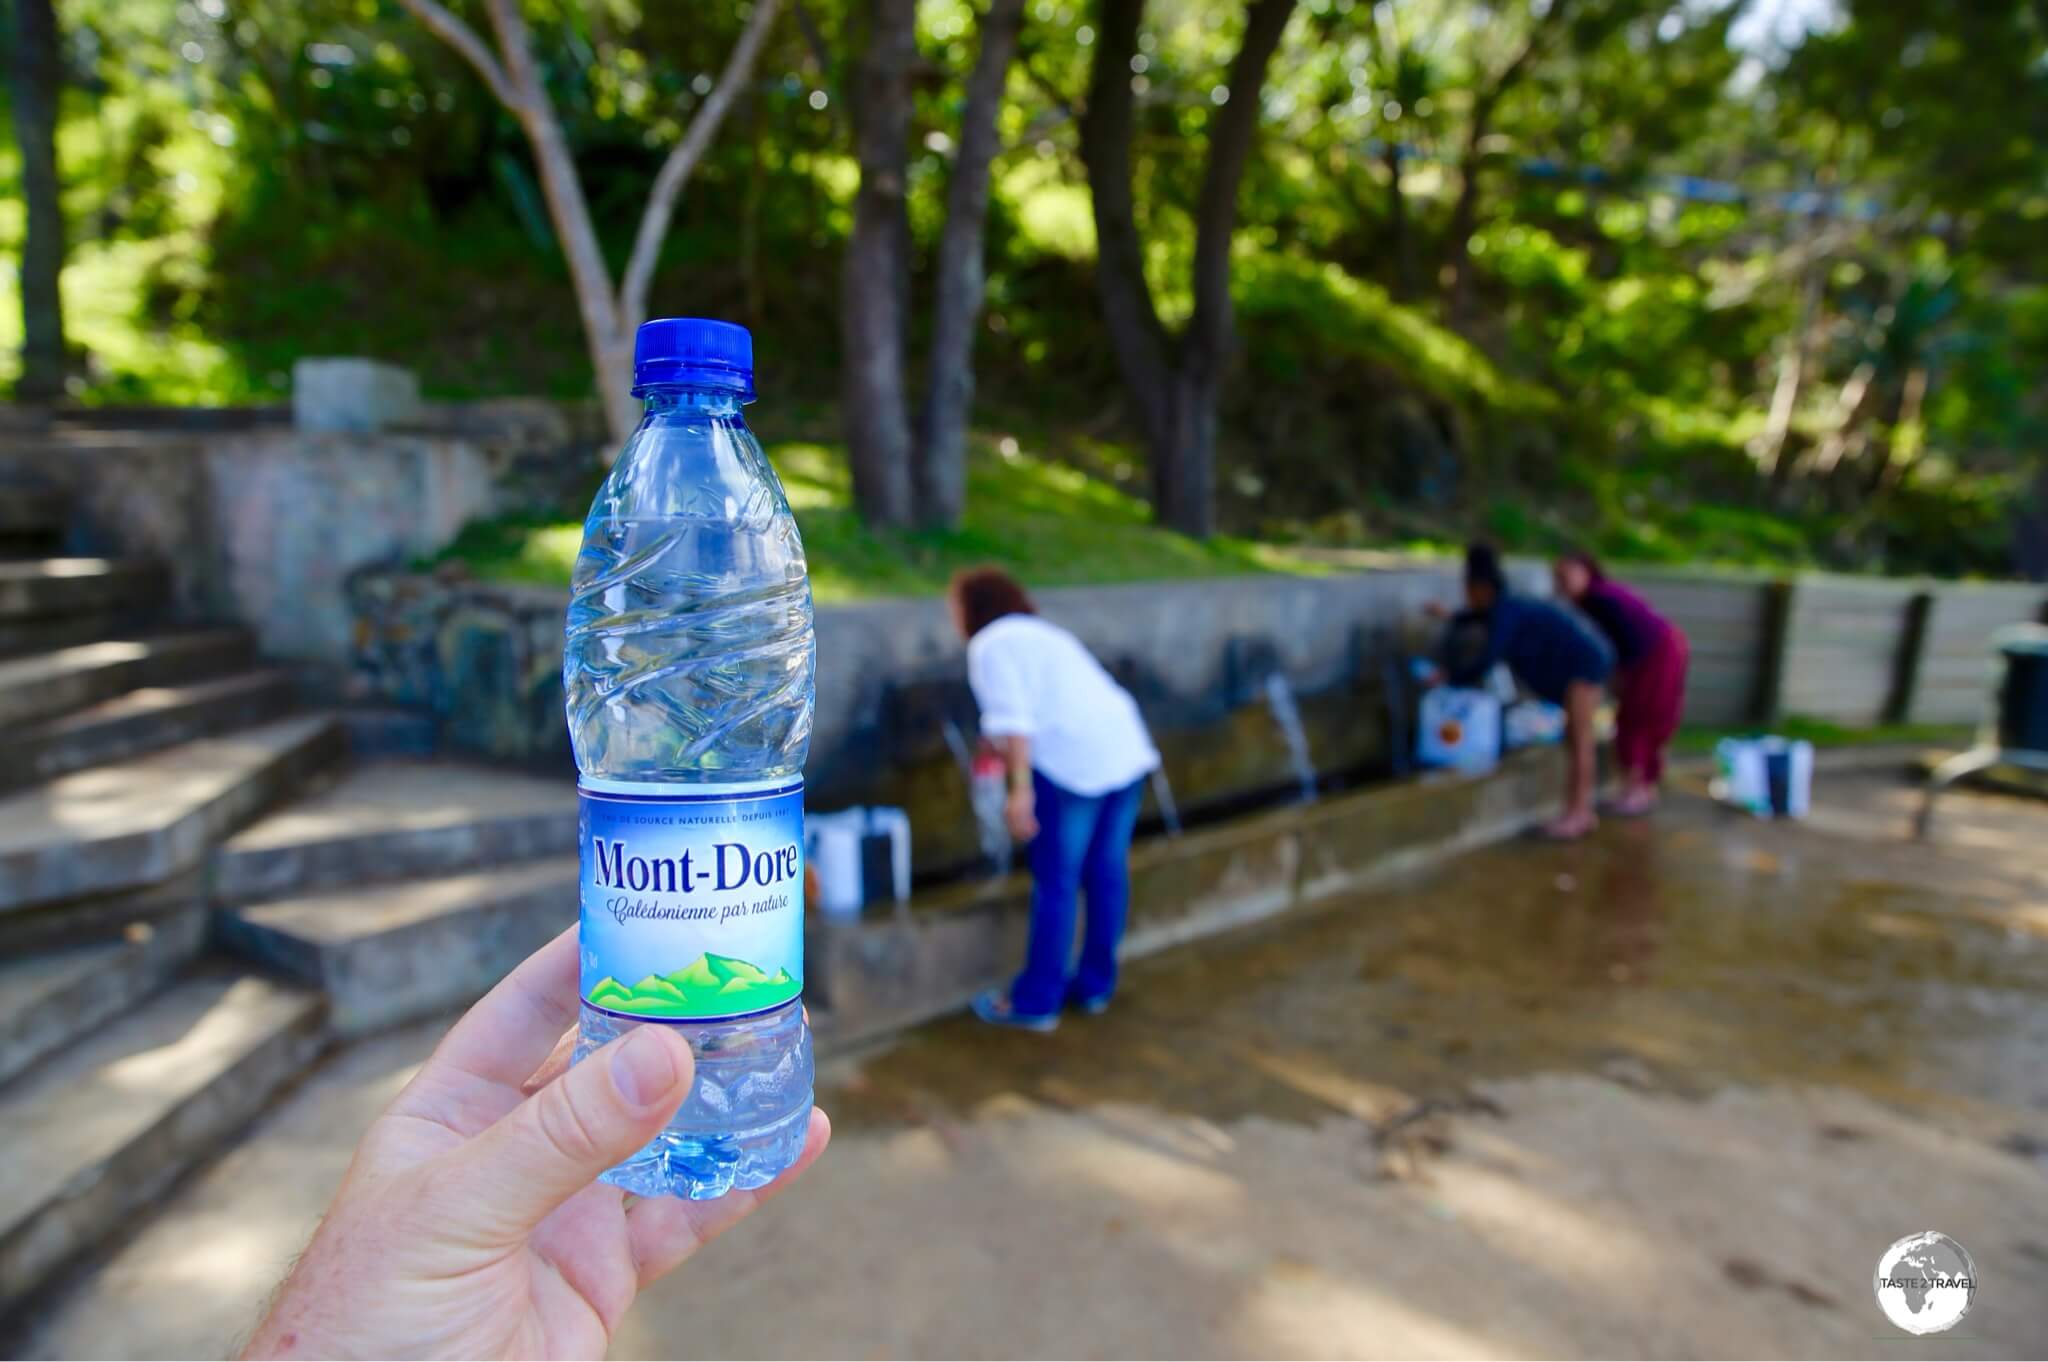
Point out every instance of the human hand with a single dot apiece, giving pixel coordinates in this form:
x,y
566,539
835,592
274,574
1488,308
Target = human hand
x,y
1020,812
471,1224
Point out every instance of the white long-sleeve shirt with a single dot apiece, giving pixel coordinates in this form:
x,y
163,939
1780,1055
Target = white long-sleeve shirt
x,y
1032,679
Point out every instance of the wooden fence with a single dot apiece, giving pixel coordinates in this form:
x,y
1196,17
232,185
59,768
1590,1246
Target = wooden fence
x,y
1850,650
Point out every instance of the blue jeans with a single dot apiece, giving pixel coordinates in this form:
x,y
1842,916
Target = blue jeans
x,y
1083,845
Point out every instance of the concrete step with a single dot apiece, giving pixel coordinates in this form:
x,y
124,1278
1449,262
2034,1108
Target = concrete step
x,y
397,952
397,819
45,684
130,824
21,546
51,998
148,719
68,586
30,511
100,1131
100,917
386,732
66,631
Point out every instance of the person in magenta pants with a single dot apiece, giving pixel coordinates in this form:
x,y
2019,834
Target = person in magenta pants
x,y
1651,655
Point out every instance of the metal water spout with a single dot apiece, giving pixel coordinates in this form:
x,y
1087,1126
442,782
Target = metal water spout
x,y
1287,714
956,741
984,802
1162,795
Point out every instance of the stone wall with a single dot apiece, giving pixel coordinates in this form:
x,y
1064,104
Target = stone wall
x,y
484,660
265,524
892,671
882,970
1199,656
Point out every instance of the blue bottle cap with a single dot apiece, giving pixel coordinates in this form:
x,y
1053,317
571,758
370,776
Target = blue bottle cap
x,y
694,351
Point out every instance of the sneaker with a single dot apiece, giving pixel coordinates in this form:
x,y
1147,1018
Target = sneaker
x,y
1094,1007
994,1008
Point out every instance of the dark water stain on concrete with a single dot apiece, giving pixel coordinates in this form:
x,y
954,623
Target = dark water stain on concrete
x,y
1673,955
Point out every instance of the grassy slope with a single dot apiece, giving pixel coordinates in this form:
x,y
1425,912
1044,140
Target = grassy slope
x,y
1824,733
1050,524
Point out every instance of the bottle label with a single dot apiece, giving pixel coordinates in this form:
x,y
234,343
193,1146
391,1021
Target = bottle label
x,y
693,899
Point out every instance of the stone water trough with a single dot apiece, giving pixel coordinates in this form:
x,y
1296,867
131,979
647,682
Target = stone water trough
x,y
1276,704
896,965
1256,689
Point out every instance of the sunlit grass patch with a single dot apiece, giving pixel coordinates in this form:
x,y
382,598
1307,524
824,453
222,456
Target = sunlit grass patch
x,y
1049,523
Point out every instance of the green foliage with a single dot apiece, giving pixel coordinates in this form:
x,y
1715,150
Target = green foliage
x,y
1826,733
254,181
1956,102
1047,521
1291,310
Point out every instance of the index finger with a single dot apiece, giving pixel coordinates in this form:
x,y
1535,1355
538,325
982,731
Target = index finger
x,y
512,1029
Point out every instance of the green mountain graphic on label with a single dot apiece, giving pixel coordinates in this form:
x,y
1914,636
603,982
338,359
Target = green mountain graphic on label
x,y
709,986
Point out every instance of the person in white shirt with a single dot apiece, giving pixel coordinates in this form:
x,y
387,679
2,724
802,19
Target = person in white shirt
x,y
1077,755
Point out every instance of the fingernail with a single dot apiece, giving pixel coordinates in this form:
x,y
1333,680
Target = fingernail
x,y
643,1070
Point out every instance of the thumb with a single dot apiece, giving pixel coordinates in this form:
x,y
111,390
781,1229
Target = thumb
x,y
555,1143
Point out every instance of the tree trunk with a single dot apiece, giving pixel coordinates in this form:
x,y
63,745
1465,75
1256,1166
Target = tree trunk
x,y
873,301
1890,469
1793,368
1465,211
609,320
941,491
1769,452
1175,394
1845,440
1205,347
1400,243
38,75
1186,491
570,212
1464,222
613,359
1136,336
1232,130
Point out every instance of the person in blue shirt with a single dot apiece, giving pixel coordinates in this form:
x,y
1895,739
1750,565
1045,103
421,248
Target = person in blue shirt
x,y
1552,652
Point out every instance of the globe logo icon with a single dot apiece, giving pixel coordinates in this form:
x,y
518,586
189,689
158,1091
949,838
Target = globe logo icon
x,y
1926,1283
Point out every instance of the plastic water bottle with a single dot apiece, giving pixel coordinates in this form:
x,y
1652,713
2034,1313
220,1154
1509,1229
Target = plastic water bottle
x,y
687,673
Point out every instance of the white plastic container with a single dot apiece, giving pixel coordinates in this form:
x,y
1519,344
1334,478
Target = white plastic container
x,y
1770,777
1532,723
839,846
1458,729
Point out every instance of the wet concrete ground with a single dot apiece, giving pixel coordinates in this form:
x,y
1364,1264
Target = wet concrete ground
x,y
1670,1092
